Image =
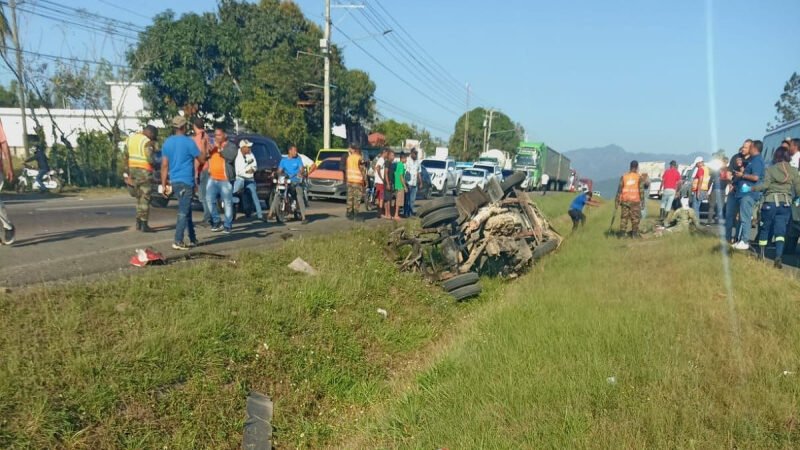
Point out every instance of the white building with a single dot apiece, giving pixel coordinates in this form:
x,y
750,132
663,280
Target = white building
x,y
126,103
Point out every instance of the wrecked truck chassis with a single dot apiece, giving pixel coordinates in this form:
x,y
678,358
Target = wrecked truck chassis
x,y
499,231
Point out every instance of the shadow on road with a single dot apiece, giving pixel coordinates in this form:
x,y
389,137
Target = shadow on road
x,y
66,235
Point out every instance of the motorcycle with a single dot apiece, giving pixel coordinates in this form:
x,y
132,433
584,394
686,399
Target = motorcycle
x,y
284,201
27,180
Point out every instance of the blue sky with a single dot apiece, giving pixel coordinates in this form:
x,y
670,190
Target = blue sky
x,y
576,73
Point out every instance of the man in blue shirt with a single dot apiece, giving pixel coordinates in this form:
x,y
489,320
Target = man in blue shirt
x,y
576,208
749,177
178,158
293,168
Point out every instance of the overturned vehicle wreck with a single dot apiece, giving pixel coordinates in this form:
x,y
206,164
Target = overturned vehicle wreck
x,y
496,231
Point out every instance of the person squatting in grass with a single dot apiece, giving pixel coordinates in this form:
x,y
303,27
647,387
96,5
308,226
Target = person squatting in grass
x,y
576,208
630,198
780,186
139,149
682,219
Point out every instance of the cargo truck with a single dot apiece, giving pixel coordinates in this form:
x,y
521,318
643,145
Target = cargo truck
x,y
536,158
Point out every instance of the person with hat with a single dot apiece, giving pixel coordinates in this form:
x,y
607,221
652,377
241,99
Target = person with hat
x,y
179,156
630,196
293,168
669,187
220,176
246,167
700,184
139,156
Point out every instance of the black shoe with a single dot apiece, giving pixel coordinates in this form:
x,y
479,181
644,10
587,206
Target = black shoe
x,y
778,263
635,235
138,225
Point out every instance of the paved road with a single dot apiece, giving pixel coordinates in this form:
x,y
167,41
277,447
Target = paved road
x,y
59,238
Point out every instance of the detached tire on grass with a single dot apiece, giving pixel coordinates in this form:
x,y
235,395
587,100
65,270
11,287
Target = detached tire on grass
x,y
514,180
460,281
436,204
466,292
542,250
440,217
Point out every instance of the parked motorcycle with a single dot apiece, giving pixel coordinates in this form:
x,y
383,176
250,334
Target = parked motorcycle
x,y
284,202
52,180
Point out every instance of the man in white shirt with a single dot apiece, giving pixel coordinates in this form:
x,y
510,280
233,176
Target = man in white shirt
x,y
246,167
545,183
794,150
413,177
380,186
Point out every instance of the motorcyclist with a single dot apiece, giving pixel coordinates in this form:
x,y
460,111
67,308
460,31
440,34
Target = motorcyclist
x,y
6,173
293,168
41,161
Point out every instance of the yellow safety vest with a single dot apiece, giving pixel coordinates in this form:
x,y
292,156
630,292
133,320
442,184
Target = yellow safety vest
x,y
704,183
137,152
354,175
630,188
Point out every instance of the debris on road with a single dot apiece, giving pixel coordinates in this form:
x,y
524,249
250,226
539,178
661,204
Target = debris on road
x,y
495,231
298,265
146,256
383,313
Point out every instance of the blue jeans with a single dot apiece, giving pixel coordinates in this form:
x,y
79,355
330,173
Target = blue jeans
x,y
667,197
697,200
201,193
183,192
774,218
224,191
411,197
40,179
746,205
249,185
731,225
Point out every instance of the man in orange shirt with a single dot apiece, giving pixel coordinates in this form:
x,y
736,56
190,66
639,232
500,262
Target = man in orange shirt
x,y
7,173
219,181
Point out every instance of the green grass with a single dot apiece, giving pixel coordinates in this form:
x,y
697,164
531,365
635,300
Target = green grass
x,y
533,369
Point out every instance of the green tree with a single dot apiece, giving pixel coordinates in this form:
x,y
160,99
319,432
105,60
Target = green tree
x,y
788,105
8,97
506,135
394,131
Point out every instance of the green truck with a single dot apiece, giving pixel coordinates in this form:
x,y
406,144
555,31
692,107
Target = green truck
x,y
536,158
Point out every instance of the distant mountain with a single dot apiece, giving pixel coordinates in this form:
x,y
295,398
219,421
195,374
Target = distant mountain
x,y
611,161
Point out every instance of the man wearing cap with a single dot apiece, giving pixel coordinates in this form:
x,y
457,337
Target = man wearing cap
x,y
292,167
220,176
139,158
179,156
669,187
700,184
246,167
630,195
413,177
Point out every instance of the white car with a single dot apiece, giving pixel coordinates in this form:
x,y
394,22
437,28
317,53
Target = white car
x,y
444,175
492,170
472,178
655,188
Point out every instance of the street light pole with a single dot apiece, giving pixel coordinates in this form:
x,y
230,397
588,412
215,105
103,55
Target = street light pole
x,y
326,127
489,134
12,4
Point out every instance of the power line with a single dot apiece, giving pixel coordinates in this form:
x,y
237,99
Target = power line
x,y
121,8
84,13
87,27
413,116
66,58
431,99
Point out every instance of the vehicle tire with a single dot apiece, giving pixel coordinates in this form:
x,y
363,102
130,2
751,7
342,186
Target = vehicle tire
x,y
21,185
59,185
159,201
280,213
444,189
466,292
542,250
437,204
514,180
459,281
440,217
427,195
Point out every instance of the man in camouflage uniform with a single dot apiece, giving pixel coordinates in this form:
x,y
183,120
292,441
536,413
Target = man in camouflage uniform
x,y
684,218
356,177
630,198
139,156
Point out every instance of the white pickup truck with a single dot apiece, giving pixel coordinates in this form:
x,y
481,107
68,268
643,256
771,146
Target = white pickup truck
x,y
444,175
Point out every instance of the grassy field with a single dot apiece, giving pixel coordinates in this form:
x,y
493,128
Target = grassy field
x,y
166,357
614,344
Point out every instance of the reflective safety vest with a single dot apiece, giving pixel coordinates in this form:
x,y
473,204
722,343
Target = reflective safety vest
x,y
354,175
137,152
703,183
630,188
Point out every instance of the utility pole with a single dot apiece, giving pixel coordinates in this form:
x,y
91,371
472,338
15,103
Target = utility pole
x,y
326,47
489,134
466,128
12,4
485,129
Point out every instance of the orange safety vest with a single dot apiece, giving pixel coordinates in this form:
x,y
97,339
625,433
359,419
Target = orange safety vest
x,y
137,152
354,175
630,188
705,180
